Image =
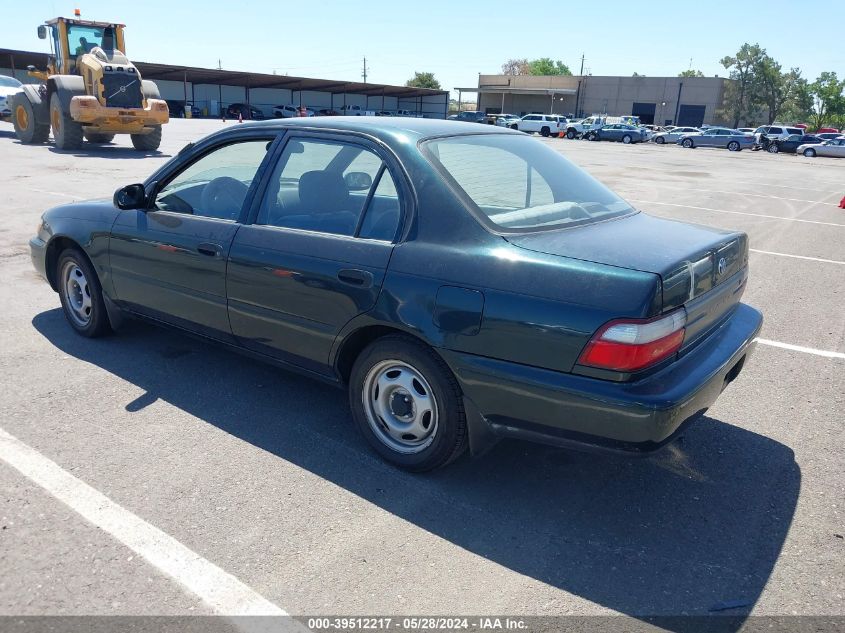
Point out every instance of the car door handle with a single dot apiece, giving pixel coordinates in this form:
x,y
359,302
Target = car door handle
x,y
354,277
210,249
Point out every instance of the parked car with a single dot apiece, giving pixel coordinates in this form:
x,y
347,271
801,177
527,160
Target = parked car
x,y
244,110
290,111
470,116
791,143
177,109
618,132
827,136
408,113
506,120
356,110
357,272
671,136
733,140
834,148
776,131
8,87
745,130
543,124
576,128
828,130
327,112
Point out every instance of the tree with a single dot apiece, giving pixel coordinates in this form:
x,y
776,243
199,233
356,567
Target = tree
x,y
516,67
740,98
547,66
828,98
690,73
799,105
423,80
773,87
636,74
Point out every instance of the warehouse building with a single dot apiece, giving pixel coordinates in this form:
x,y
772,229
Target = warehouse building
x,y
213,90
690,101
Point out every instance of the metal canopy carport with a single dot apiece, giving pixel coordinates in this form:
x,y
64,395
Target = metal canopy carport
x,y
19,60
508,90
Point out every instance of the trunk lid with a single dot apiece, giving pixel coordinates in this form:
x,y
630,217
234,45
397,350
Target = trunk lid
x,y
701,268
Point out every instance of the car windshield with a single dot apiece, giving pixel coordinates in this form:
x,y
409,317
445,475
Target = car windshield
x,y
519,184
9,82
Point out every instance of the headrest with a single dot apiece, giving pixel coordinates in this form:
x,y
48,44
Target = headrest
x,y
323,192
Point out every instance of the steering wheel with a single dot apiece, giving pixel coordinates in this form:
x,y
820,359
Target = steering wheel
x,y
223,198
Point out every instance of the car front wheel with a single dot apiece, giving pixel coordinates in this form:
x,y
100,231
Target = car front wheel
x,y
81,295
407,404
809,152
773,149
626,139
733,146
660,140
687,143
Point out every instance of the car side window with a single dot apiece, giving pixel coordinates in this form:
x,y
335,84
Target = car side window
x,y
215,186
323,185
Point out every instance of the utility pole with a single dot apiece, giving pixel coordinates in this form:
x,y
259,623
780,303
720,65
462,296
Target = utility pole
x,y
364,73
219,65
581,74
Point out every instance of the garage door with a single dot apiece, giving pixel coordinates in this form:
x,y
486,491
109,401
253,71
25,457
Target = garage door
x,y
645,111
691,115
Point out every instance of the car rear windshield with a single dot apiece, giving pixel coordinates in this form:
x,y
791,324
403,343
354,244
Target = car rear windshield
x,y
517,183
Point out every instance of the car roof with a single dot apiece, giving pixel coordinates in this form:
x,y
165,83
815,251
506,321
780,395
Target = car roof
x,y
387,128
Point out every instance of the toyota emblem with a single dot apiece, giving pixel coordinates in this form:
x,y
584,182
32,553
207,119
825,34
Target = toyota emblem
x,y
723,266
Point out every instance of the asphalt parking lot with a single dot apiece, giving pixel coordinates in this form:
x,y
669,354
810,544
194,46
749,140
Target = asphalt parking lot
x,y
261,478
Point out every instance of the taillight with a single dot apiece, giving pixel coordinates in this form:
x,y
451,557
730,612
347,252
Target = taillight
x,y
633,344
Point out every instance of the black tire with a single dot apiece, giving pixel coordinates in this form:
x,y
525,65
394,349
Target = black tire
x,y
688,143
544,131
67,133
660,140
449,435
627,139
23,119
99,138
147,142
570,134
733,146
515,127
95,322
810,152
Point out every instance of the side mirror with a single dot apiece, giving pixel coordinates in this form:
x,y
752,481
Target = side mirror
x,y
130,197
358,181
42,32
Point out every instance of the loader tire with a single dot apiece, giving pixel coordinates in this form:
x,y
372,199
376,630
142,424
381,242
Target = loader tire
x,y
147,142
93,137
67,133
26,128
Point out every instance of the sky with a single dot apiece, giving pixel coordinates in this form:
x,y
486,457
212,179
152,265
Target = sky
x,y
455,40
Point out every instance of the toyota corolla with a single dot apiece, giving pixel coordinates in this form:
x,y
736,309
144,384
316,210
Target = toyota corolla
x,y
464,283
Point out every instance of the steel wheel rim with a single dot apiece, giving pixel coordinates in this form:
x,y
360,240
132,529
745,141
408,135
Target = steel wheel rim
x,y
77,292
22,117
400,406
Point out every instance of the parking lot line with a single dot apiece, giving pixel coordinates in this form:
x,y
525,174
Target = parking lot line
x,y
744,193
812,259
758,215
799,348
221,591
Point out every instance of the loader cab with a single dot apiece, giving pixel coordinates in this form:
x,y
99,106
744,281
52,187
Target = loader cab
x,y
72,38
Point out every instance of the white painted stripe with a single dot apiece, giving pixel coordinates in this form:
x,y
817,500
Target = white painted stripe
x,y
758,215
799,348
221,591
55,193
812,259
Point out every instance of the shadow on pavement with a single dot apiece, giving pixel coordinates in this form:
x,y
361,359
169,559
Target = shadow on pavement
x,y
107,150
694,530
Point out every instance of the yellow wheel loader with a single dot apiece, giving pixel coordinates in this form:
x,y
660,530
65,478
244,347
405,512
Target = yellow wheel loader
x,y
90,90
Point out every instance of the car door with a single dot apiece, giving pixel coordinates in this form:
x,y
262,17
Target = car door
x,y
529,123
169,261
834,148
316,254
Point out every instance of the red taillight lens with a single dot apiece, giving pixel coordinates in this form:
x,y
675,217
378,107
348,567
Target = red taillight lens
x,y
633,344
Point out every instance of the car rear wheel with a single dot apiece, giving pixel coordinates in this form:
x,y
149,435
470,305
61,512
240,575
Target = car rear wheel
x,y
407,404
773,148
733,146
570,134
688,143
515,127
81,295
626,139
544,131
809,152
660,140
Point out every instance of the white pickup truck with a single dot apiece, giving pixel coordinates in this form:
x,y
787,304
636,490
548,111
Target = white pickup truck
x,y
356,110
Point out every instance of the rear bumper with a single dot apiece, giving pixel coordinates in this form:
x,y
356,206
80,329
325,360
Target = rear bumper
x,y
89,111
641,416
